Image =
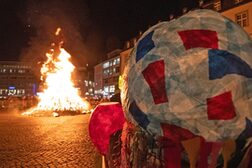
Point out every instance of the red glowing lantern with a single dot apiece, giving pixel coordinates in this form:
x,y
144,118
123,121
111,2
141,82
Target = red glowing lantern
x,y
106,119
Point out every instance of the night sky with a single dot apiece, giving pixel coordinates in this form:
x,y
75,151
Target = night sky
x,y
90,27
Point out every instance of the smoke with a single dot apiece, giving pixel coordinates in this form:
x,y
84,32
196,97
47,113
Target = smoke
x,y
42,19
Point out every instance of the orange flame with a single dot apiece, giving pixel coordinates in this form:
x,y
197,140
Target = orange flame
x,y
58,31
60,93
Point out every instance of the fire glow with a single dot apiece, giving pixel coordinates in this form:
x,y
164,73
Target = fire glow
x,y
59,94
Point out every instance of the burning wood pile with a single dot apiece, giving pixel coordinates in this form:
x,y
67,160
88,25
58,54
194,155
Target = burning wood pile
x,y
59,95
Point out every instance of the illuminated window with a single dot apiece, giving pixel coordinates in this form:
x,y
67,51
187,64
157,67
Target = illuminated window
x,y
118,61
217,5
21,71
86,83
106,89
112,89
242,19
2,91
12,92
106,72
184,10
106,65
237,1
20,91
114,62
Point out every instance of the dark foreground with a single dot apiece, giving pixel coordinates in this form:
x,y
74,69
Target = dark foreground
x,y
46,142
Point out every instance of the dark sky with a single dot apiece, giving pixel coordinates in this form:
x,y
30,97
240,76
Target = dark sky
x,y
88,25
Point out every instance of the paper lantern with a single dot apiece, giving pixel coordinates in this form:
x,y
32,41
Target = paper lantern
x,y
193,72
106,119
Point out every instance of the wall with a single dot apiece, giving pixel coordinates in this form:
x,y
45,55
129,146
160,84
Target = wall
x,y
98,76
124,58
230,13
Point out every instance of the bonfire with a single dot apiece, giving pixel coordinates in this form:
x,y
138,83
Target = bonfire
x,y
59,94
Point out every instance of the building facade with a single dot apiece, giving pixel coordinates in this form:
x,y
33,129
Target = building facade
x,y
17,79
98,79
124,55
111,73
239,11
83,79
106,74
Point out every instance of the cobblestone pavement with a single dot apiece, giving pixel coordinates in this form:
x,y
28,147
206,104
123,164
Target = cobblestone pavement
x,y
46,142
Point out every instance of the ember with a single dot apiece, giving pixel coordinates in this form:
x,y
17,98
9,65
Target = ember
x,y
59,94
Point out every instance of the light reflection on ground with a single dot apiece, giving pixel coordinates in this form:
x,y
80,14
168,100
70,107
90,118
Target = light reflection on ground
x,y
45,141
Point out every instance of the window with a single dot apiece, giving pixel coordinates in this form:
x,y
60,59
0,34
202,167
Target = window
x,y
237,1
12,92
112,89
106,89
118,61
117,69
217,5
3,91
106,65
106,72
21,71
184,10
106,81
242,19
114,62
86,83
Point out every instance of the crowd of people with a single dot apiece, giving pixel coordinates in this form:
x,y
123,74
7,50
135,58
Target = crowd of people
x,y
17,103
26,102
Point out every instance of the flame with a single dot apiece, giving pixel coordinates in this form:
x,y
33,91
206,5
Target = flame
x,y
59,93
58,31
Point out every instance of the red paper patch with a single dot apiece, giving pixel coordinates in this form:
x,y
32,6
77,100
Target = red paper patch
x,y
172,151
155,76
199,38
205,150
221,107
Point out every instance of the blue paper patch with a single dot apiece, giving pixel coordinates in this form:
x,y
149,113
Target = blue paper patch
x,y
138,115
222,63
144,46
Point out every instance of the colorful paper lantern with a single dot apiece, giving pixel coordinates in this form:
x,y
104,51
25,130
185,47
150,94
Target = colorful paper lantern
x,y
189,81
194,72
